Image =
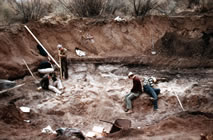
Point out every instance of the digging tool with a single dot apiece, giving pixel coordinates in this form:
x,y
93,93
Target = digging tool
x,y
6,90
153,46
30,71
60,65
118,125
42,46
106,121
179,102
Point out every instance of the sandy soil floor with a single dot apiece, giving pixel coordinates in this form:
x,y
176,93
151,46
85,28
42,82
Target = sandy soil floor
x,y
96,92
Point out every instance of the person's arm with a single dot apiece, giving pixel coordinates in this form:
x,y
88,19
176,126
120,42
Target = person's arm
x,y
162,79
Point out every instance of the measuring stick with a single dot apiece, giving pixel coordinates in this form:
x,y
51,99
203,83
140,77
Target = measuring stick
x,y
60,65
179,102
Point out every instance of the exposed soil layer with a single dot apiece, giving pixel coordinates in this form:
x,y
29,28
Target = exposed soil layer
x,y
96,92
179,42
176,48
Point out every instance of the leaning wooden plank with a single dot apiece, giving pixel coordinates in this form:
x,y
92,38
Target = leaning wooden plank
x,y
29,70
42,46
12,88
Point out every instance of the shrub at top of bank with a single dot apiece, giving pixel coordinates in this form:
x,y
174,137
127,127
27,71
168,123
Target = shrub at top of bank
x,y
27,10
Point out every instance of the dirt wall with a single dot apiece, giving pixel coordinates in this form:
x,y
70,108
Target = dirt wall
x,y
105,40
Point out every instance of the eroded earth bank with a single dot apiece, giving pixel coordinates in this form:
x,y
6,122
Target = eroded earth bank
x,y
98,82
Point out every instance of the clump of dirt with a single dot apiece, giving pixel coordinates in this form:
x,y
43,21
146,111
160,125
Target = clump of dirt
x,y
12,115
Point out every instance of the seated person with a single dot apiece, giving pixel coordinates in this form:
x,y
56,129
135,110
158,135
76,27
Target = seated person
x,y
57,81
134,93
45,84
148,84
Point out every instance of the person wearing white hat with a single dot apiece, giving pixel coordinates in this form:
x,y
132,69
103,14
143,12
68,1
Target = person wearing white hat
x,y
150,90
63,60
134,93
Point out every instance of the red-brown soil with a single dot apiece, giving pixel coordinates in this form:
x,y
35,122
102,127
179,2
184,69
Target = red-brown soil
x,y
97,82
178,42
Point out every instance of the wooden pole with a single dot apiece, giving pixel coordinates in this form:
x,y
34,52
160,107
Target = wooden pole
x,y
42,46
60,65
29,70
179,102
12,88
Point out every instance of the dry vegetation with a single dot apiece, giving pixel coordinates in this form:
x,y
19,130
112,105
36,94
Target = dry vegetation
x,y
13,11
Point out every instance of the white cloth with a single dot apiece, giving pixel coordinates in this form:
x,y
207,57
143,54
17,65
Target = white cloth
x,y
54,89
80,52
45,71
58,84
119,19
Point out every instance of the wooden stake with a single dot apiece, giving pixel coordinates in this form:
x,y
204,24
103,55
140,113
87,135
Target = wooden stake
x,y
42,46
29,70
60,65
12,88
179,102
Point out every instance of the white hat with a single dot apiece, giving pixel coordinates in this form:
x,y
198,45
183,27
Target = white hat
x,y
59,46
154,79
130,74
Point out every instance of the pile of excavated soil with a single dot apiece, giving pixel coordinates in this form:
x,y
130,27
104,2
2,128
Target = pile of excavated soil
x,y
180,42
96,92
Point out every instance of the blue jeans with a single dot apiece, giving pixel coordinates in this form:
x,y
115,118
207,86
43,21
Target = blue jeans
x,y
153,92
128,99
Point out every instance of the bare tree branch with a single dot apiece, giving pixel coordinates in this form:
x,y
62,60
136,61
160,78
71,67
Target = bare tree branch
x,y
142,7
29,9
84,8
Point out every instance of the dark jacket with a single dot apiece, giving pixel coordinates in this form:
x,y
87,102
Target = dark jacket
x,y
41,50
45,82
44,65
137,88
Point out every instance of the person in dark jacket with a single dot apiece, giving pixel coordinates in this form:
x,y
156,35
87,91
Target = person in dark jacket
x,y
45,82
45,67
150,90
134,93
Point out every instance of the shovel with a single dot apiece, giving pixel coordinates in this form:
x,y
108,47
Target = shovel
x,y
119,124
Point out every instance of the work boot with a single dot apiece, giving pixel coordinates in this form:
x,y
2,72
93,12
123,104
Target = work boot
x,y
129,111
39,88
156,109
126,110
